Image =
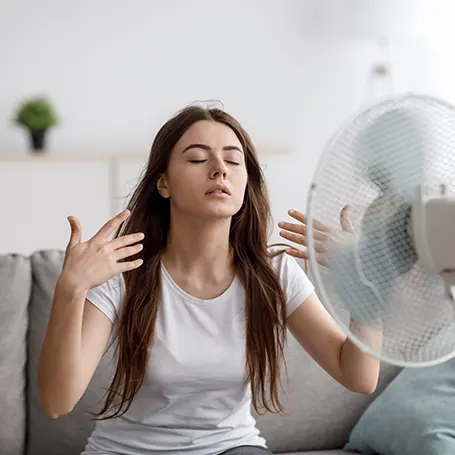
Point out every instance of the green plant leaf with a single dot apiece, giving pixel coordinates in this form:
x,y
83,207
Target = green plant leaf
x,y
36,114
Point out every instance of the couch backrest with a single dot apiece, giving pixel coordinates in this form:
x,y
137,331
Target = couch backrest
x,y
15,287
67,434
321,412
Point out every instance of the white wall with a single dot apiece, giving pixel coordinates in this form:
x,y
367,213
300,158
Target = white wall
x,y
290,70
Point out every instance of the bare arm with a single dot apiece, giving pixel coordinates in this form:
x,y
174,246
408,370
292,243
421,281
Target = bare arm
x,y
77,332
359,368
321,337
76,339
315,329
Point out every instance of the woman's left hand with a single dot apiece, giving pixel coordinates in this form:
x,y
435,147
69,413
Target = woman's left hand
x,y
322,234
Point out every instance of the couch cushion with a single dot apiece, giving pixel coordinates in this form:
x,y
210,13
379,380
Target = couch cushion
x,y
322,452
414,415
67,434
321,411
15,285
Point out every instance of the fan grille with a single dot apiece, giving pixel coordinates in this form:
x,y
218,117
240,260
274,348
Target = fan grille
x,y
375,163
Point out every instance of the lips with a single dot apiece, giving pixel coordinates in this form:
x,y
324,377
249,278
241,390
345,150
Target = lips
x,y
222,189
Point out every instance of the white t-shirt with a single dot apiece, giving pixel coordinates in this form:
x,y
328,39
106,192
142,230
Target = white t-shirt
x,y
192,400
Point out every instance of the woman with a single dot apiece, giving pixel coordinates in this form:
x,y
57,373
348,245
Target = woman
x,y
199,320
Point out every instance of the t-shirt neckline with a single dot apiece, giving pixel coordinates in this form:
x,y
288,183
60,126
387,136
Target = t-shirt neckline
x,y
220,298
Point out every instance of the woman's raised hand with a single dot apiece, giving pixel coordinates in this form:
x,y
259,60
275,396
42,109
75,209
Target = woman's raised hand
x,y
91,263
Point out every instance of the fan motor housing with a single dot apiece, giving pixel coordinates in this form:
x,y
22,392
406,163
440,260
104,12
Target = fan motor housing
x,y
433,221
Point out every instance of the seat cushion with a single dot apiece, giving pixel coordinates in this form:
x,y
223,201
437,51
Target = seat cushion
x,y
15,285
320,452
67,434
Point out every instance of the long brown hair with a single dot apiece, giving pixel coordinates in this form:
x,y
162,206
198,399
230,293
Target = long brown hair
x,y
265,300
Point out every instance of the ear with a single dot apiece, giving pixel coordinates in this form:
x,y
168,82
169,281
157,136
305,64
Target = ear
x,y
162,187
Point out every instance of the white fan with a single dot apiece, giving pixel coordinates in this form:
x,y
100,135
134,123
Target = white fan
x,y
394,163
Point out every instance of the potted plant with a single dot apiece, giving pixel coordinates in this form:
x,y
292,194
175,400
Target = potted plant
x,y
37,116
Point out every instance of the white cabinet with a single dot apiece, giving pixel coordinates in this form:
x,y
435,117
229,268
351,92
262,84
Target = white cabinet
x,y
127,177
38,194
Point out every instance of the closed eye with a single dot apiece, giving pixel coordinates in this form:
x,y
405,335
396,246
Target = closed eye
x,y
203,161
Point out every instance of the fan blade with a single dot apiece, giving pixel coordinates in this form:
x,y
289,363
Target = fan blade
x,y
390,146
365,279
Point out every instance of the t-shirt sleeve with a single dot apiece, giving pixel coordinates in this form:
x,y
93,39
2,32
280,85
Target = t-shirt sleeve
x,y
107,297
296,285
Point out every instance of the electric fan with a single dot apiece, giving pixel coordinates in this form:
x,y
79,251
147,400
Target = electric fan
x,y
394,163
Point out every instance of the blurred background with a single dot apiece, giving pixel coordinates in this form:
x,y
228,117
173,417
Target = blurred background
x,y
102,77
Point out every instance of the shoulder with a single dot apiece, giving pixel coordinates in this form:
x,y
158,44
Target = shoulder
x,y
108,296
284,264
295,282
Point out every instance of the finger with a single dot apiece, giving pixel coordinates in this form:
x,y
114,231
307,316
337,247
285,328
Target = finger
x,y
302,229
76,232
111,225
299,216
320,258
306,266
128,251
319,247
345,219
297,253
293,227
126,240
131,265
316,224
296,238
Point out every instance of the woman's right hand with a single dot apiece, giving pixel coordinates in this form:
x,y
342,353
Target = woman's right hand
x,y
89,264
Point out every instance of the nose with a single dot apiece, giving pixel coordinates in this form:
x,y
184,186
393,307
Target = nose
x,y
219,169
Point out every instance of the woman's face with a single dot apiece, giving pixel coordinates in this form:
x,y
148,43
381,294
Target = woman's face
x,y
207,175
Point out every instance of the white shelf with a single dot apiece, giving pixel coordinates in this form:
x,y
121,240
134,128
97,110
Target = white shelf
x,y
48,157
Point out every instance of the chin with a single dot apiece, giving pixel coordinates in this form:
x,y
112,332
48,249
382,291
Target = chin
x,y
219,212
217,215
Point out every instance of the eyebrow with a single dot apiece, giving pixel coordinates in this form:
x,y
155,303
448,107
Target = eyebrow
x,y
206,147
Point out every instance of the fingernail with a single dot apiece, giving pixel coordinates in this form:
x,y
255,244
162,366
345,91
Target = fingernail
x,y
291,212
280,224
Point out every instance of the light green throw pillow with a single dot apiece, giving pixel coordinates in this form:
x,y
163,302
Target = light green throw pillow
x,y
414,415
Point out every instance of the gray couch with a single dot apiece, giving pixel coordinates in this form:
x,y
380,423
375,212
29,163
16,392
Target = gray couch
x,y
322,412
